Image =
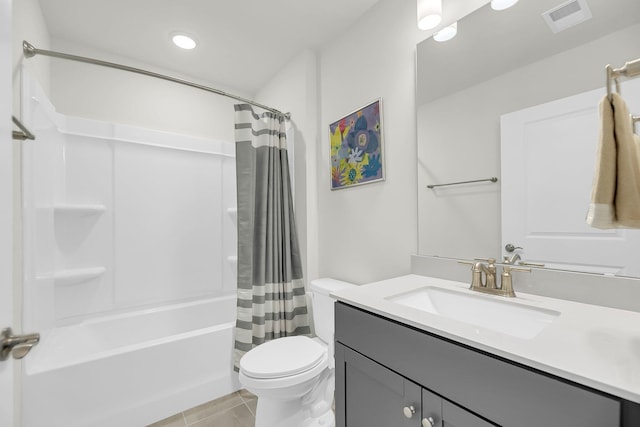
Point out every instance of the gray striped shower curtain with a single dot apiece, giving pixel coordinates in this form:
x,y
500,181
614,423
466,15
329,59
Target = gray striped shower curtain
x,y
271,296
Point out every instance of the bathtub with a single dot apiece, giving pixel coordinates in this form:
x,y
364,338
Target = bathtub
x,y
131,369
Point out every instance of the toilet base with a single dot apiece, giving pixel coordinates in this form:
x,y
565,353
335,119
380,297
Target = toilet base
x,y
289,413
279,413
311,409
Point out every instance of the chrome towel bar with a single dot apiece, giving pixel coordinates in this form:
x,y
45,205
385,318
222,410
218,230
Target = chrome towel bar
x,y
492,179
629,70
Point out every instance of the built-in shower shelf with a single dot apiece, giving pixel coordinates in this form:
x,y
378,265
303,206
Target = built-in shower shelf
x,y
75,276
79,210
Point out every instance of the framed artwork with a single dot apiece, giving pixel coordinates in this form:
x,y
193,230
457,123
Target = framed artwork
x,y
357,155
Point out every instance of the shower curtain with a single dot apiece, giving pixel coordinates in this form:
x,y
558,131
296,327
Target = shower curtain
x,y
271,295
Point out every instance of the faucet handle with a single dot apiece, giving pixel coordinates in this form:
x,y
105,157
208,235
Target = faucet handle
x,y
506,279
476,273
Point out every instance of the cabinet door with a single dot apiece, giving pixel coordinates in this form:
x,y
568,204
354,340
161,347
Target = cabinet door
x,y
370,395
438,412
455,416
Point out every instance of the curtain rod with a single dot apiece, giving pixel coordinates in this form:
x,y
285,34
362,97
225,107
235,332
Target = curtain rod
x,y
31,51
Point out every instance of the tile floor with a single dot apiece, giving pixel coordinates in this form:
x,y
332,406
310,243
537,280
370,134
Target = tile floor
x,y
234,410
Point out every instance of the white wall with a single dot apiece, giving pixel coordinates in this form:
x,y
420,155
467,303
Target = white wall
x,y
367,233
28,24
112,95
117,96
459,137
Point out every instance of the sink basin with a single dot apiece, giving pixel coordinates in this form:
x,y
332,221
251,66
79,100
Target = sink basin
x,y
482,311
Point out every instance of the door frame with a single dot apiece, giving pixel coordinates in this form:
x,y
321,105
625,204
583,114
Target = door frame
x,y
8,413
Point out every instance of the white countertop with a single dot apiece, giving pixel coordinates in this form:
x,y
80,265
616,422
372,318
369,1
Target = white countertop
x,y
595,346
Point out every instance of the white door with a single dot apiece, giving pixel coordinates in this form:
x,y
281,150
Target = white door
x,y
6,209
548,161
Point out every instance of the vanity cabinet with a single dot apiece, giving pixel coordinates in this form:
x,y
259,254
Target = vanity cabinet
x,y
385,368
378,396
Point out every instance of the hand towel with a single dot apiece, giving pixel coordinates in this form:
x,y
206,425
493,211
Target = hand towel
x,y
602,213
627,195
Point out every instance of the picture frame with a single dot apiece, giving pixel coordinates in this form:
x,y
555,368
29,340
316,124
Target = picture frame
x,y
357,147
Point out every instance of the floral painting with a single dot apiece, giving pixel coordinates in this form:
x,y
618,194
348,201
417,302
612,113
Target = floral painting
x,y
356,147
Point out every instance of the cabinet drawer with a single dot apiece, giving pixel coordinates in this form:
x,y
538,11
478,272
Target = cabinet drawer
x,y
503,392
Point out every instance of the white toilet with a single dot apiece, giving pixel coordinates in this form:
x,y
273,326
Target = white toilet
x,y
293,377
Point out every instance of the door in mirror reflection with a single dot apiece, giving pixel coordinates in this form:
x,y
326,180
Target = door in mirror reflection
x,y
548,162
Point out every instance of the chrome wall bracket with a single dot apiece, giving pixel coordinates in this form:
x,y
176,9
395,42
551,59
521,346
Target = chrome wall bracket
x,y
16,345
24,133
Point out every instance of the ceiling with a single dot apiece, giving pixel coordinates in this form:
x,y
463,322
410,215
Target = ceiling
x,y
242,44
491,43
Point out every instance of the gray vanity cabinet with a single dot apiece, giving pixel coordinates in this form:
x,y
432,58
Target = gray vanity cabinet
x,y
378,396
384,368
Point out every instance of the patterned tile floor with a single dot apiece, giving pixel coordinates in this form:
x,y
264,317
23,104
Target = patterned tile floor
x,y
234,410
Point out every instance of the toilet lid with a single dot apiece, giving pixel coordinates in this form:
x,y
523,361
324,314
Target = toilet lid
x,y
282,357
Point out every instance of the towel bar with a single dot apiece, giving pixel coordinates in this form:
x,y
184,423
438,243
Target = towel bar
x,y
492,179
629,69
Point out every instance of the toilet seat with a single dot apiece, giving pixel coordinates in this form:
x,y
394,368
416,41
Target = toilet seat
x,y
283,362
282,357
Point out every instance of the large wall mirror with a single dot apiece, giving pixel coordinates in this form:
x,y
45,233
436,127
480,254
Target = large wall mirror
x,y
503,66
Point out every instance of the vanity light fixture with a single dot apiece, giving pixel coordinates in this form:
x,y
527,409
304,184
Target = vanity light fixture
x,y
183,41
447,33
429,14
502,4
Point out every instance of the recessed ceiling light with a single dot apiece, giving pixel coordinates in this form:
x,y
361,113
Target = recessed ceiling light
x,y
429,13
502,4
447,33
183,41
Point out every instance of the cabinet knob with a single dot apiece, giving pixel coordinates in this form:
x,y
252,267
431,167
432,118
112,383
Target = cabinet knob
x,y
428,422
409,411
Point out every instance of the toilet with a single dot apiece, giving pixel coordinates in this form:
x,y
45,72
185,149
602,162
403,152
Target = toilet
x,y
293,377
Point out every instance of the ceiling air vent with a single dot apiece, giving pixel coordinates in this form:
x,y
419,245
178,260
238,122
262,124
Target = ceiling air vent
x,y
567,15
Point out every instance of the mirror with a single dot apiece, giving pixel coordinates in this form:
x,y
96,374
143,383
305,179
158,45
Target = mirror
x,y
499,63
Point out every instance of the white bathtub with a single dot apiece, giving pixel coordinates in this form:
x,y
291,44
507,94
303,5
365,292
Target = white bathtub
x,y
131,369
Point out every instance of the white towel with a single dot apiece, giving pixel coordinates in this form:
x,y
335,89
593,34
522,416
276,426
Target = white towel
x,y
627,199
615,196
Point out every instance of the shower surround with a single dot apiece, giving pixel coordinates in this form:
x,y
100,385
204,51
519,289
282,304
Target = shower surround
x,y
129,270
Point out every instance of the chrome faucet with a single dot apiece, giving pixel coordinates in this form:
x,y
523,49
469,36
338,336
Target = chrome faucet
x,y
489,284
489,271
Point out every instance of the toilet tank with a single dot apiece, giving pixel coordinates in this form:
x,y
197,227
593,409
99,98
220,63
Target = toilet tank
x,y
323,305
